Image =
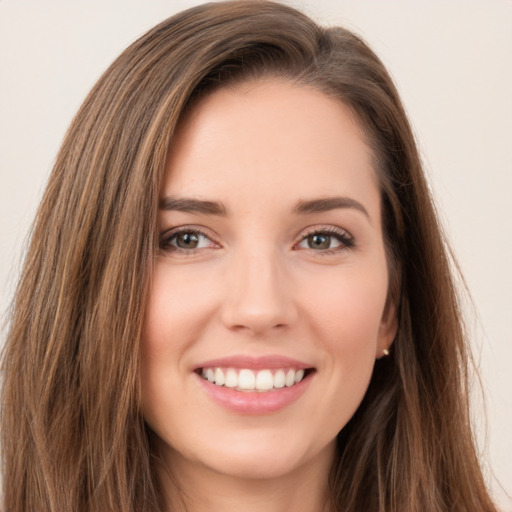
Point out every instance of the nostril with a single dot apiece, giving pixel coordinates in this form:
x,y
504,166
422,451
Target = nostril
x,y
258,302
253,328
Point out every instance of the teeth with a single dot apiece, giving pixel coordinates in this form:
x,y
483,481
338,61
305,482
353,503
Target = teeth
x,y
279,379
264,380
231,379
246,380
249,380
219,377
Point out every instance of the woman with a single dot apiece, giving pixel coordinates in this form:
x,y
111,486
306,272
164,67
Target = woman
x,y
237,293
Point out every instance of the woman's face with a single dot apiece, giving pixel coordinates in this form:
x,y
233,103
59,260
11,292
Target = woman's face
x,y
272,270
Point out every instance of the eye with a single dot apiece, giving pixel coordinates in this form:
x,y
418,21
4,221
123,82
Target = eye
x,y
185,240
326,240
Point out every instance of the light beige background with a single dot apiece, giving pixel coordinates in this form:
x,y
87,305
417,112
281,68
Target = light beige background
x,y
452,61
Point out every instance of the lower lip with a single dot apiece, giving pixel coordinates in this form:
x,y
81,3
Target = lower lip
x,y
255,402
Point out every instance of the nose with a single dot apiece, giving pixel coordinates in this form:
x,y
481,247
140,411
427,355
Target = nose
x,y
258,297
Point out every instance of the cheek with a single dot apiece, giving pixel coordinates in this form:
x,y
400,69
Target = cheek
x,y
346,311
348,305
179,305
346,331
167,326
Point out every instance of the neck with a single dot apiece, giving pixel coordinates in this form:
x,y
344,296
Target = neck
x,y
190,487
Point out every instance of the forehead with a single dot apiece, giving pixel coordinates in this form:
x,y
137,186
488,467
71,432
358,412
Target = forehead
x,y
265,137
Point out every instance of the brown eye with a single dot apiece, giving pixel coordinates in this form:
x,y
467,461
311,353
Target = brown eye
x,y
186,240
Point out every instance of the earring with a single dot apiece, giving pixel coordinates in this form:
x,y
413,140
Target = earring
x,y
386,352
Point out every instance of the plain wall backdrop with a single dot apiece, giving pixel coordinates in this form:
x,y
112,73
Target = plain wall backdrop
x,y
452,62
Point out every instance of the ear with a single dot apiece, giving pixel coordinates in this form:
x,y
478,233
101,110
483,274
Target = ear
x,y
387,329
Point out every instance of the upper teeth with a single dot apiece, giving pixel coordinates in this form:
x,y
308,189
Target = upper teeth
x,y
249,380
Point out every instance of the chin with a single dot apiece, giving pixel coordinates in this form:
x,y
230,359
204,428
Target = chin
x,y
263,458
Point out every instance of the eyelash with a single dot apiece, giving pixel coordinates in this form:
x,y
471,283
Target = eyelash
x,y
168,237
343,237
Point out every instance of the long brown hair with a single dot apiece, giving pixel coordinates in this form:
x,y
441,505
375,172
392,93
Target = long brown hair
x,y
73,437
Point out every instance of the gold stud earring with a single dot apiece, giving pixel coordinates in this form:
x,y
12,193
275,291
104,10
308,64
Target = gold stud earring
x,y
386,352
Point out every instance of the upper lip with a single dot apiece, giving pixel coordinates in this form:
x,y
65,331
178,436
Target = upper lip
x,y
254,363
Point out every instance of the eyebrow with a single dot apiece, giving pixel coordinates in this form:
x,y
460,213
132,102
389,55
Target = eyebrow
x,y
328,204
188,205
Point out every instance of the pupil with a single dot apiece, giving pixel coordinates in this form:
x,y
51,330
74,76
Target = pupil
x,y
319,241
187,241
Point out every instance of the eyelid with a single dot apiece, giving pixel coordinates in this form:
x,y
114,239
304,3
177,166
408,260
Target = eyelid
x,y
346,239
166,236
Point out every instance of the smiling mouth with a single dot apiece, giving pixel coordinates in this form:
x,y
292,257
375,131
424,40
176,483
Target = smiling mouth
x,y
260,381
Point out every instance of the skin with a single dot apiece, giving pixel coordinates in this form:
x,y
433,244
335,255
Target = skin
x,y
256,285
